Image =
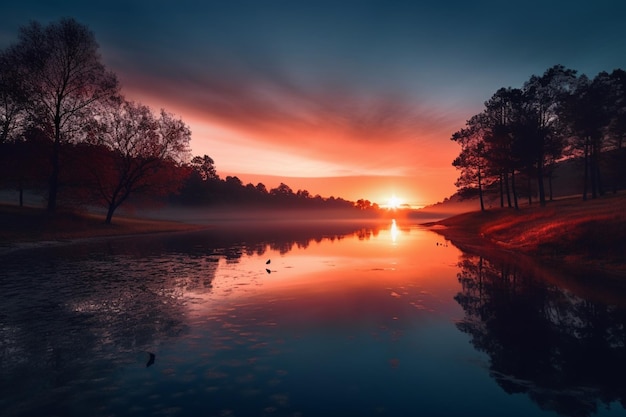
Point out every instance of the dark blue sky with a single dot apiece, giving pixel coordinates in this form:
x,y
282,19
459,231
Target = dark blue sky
x,y
317,88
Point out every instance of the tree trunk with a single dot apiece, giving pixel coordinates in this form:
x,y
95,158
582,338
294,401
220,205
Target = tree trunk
x,y
598,176
592,170
542,191
586,168
501,191
480,191
550,186
513,188
110,212
508,191
53,184
53,181
530,190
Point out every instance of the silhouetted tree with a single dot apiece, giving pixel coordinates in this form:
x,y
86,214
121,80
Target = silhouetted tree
x,y
283,192
616,131
12,97
502,138
261,188
303,195
138,152
544,97
536,334
205,166
617,125
529,131
362,204
472,162
65,76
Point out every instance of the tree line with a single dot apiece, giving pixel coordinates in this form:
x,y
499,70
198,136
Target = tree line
x,y
66,129
512,148
204,187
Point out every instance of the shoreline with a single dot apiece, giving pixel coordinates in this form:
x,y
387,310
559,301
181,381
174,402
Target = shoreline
x,y
570,233
28,227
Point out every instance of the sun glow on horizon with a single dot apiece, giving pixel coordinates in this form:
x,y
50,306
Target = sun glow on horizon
x,y
394,203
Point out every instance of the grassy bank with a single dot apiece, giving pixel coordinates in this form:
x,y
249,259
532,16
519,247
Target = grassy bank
x,y
27,224
587,233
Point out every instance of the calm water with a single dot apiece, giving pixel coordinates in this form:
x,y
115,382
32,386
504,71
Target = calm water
x,y
381,320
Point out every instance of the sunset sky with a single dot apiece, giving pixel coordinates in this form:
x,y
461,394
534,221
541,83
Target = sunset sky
x,y
356,99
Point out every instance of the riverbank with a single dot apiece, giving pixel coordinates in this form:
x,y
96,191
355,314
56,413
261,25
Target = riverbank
x,y
590,234
29,225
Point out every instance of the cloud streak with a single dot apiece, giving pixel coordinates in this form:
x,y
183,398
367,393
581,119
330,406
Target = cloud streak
x,y
334,122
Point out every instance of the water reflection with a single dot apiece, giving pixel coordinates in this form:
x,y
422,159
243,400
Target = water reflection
x,y
73,316
565,352
395,232
353,319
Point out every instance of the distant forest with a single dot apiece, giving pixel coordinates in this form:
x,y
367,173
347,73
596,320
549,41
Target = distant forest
x,y
67,131
203,186
513,147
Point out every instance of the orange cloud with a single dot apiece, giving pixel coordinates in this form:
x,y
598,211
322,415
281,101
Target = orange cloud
x,y
265,126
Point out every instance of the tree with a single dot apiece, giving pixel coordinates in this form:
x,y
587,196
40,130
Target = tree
x,y
136,152
363,204
283,192
502,115
205,166
589,113
261,189
617,126
12,97
544,97
65,77
617,130
473,158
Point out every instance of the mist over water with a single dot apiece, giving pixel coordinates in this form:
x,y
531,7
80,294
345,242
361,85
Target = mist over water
x,y
261,216
300,318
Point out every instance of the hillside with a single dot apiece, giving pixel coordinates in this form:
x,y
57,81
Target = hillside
x,y
587,233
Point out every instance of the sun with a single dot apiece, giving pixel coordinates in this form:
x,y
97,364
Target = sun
x,y
394,203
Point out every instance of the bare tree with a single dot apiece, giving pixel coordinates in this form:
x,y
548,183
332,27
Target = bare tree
x,y
65,75
138,152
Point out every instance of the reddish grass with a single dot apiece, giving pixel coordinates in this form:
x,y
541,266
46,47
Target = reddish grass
x,y
591,233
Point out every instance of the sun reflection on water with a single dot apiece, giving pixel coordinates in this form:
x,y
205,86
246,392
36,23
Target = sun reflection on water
x,y
394,231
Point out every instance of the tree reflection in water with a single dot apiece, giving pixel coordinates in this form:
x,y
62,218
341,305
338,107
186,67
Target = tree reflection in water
x,y
564,351
71,316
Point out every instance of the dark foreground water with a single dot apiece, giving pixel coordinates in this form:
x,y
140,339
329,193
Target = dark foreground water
x,y
380,320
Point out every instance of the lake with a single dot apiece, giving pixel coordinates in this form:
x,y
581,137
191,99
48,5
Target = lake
x,y
308,319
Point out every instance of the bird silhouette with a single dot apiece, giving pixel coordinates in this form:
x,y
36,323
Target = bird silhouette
x,y
151,360
268,271
268,262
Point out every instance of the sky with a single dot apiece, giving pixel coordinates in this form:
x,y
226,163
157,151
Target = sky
x,y
344,98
